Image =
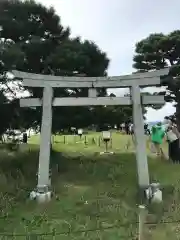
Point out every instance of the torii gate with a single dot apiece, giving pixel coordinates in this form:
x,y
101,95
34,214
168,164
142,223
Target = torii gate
x,y
134,81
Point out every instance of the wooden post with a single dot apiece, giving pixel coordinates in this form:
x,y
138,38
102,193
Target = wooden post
x,y
99,141
85,140
111,141
140,141
106,146
45,144
142,217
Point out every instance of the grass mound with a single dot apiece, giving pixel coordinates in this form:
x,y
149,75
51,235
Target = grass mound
x,y
91,191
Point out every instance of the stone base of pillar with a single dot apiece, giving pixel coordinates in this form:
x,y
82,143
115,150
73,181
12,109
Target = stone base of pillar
x,y
42,194
142,195
149,194
44,197
41,197
101,153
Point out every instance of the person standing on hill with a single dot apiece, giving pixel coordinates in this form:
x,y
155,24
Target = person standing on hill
x,y
157,136
127,128
25,138
146,129
131,128
173,138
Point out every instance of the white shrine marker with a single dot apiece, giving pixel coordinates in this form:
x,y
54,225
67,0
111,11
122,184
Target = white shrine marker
x,y
134,81
106,136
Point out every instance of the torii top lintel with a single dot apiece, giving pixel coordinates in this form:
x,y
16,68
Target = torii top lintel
x,y
142,79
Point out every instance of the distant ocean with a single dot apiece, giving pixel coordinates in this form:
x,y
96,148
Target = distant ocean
x,y
152,123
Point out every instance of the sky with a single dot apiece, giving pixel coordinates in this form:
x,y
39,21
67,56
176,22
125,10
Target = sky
x,y
116,26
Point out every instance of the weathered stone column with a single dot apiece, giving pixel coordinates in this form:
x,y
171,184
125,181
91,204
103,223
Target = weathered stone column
x,y
140,140
45,142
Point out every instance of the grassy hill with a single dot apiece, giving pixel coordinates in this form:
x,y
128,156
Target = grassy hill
x,y
91,191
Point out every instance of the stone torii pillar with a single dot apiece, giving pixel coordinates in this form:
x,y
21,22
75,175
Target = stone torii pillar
x,y
45,142
140,140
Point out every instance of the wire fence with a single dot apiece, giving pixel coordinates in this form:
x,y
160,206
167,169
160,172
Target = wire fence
x,y
71,232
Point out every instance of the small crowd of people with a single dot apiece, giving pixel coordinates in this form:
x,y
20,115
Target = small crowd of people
x,y
128,128
170,133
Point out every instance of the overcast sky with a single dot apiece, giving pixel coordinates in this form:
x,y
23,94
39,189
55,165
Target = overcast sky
x,y
116,26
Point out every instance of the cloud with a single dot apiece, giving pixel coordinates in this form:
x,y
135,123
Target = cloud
x,y
117,25
158,115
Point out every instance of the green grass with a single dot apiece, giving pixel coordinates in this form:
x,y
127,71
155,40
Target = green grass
x,y
91,191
